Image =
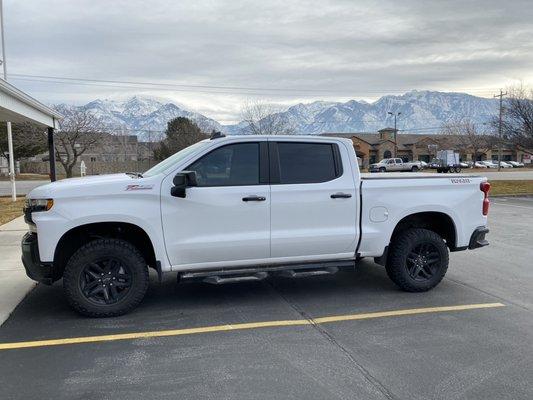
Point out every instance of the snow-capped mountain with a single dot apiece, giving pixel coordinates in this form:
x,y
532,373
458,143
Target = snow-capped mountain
x,y
144,116
420,110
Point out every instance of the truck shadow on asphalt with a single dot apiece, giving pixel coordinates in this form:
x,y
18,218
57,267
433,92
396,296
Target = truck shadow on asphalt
x,y
44,313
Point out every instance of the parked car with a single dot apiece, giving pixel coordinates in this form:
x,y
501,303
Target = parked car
x,y
479,164
394,165
424,165
464,165
503,164
489,164
516,164
237,208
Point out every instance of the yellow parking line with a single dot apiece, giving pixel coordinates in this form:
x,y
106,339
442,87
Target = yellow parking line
x,y
249,325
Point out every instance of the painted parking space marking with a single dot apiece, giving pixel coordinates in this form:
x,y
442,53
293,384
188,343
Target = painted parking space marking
x,y
243,326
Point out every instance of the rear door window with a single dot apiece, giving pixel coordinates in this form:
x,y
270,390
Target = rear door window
x,y
307,162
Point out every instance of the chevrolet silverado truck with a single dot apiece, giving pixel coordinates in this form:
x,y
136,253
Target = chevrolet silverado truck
x,y
395,165
241,208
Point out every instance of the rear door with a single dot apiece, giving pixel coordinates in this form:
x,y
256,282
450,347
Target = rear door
x,y
313,202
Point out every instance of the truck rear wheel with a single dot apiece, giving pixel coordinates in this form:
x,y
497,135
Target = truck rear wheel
x,y
417,260
105,278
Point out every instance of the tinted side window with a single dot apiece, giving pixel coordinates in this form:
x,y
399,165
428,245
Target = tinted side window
x,y
232,165
306,162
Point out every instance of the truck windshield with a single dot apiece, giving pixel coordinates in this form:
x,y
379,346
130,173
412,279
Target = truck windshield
x,y
174,159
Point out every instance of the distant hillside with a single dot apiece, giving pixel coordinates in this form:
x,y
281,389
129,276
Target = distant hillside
x,y
140,114
419,110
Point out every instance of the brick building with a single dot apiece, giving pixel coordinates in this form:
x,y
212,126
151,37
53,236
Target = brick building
x,y
372,147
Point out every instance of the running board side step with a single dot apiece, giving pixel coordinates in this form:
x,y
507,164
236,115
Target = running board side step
x,y
234,275
219,280
291,273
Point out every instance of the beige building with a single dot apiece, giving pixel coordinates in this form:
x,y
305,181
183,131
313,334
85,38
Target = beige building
x,y
372,147
114,153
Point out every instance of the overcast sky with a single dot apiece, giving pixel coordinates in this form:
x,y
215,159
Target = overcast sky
x,y
286,51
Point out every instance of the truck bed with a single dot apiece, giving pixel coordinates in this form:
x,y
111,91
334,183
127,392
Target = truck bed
x,y
388,197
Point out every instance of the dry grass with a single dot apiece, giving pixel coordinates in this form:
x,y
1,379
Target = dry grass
x,y
511,187
10,210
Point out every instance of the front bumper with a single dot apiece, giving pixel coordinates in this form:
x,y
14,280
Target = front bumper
x,y
35,269
478,238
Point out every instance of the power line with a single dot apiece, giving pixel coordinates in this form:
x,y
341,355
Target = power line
x,y
220,89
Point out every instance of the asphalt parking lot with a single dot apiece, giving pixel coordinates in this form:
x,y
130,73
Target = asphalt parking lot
x,y
435,353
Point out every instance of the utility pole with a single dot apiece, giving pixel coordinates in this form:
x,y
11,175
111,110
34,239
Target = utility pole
x,y
395,132
9,133
500,128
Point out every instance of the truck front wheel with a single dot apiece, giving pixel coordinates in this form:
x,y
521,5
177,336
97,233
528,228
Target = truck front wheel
x,y
417,260
105,278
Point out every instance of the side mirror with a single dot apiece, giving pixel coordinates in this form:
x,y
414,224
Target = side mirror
x,y
181,181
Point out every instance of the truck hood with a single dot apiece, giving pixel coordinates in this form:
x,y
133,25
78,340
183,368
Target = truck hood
x,y
90,185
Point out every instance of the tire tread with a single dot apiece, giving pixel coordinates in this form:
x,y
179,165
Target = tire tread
x,y
113,245
400,246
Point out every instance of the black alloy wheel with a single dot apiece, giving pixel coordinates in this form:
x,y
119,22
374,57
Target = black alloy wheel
x,y
423,262
105,281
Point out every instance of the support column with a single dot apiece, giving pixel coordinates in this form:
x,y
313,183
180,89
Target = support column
x,y
52,154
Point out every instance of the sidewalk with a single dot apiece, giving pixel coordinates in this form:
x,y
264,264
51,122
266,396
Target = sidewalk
x,y
14,284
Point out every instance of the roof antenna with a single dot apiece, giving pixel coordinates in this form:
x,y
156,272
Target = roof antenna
x,y
217,135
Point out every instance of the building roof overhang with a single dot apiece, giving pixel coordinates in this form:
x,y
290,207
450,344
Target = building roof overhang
x,y
16,106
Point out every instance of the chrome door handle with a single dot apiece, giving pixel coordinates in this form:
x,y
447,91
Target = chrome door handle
x,y
253,198
341,196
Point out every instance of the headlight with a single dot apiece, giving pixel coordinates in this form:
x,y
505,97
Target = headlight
x,y
39,204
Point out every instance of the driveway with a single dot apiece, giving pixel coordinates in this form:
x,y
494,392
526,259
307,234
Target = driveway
x,y
355,336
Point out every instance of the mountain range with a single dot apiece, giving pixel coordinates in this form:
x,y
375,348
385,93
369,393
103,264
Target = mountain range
x,y
421,111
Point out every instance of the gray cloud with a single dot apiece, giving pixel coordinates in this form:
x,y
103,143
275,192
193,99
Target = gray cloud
x,y
325,49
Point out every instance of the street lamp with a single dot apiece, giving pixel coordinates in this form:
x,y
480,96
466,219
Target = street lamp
x,y
396,115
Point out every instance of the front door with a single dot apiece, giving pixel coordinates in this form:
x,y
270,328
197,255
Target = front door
x,y
225,220
314,202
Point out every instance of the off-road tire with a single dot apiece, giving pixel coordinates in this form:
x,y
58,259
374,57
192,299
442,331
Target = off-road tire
x,y
414,168
402,246
97,249
382,169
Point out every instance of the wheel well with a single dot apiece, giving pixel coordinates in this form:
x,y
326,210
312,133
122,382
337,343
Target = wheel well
x,y
438,222
77,237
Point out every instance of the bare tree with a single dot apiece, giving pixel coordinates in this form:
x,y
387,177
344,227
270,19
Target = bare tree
x,y
464,134
518,116
262,118
80,131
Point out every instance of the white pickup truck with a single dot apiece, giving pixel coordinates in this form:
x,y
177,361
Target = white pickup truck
x,y
395,165
241,208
